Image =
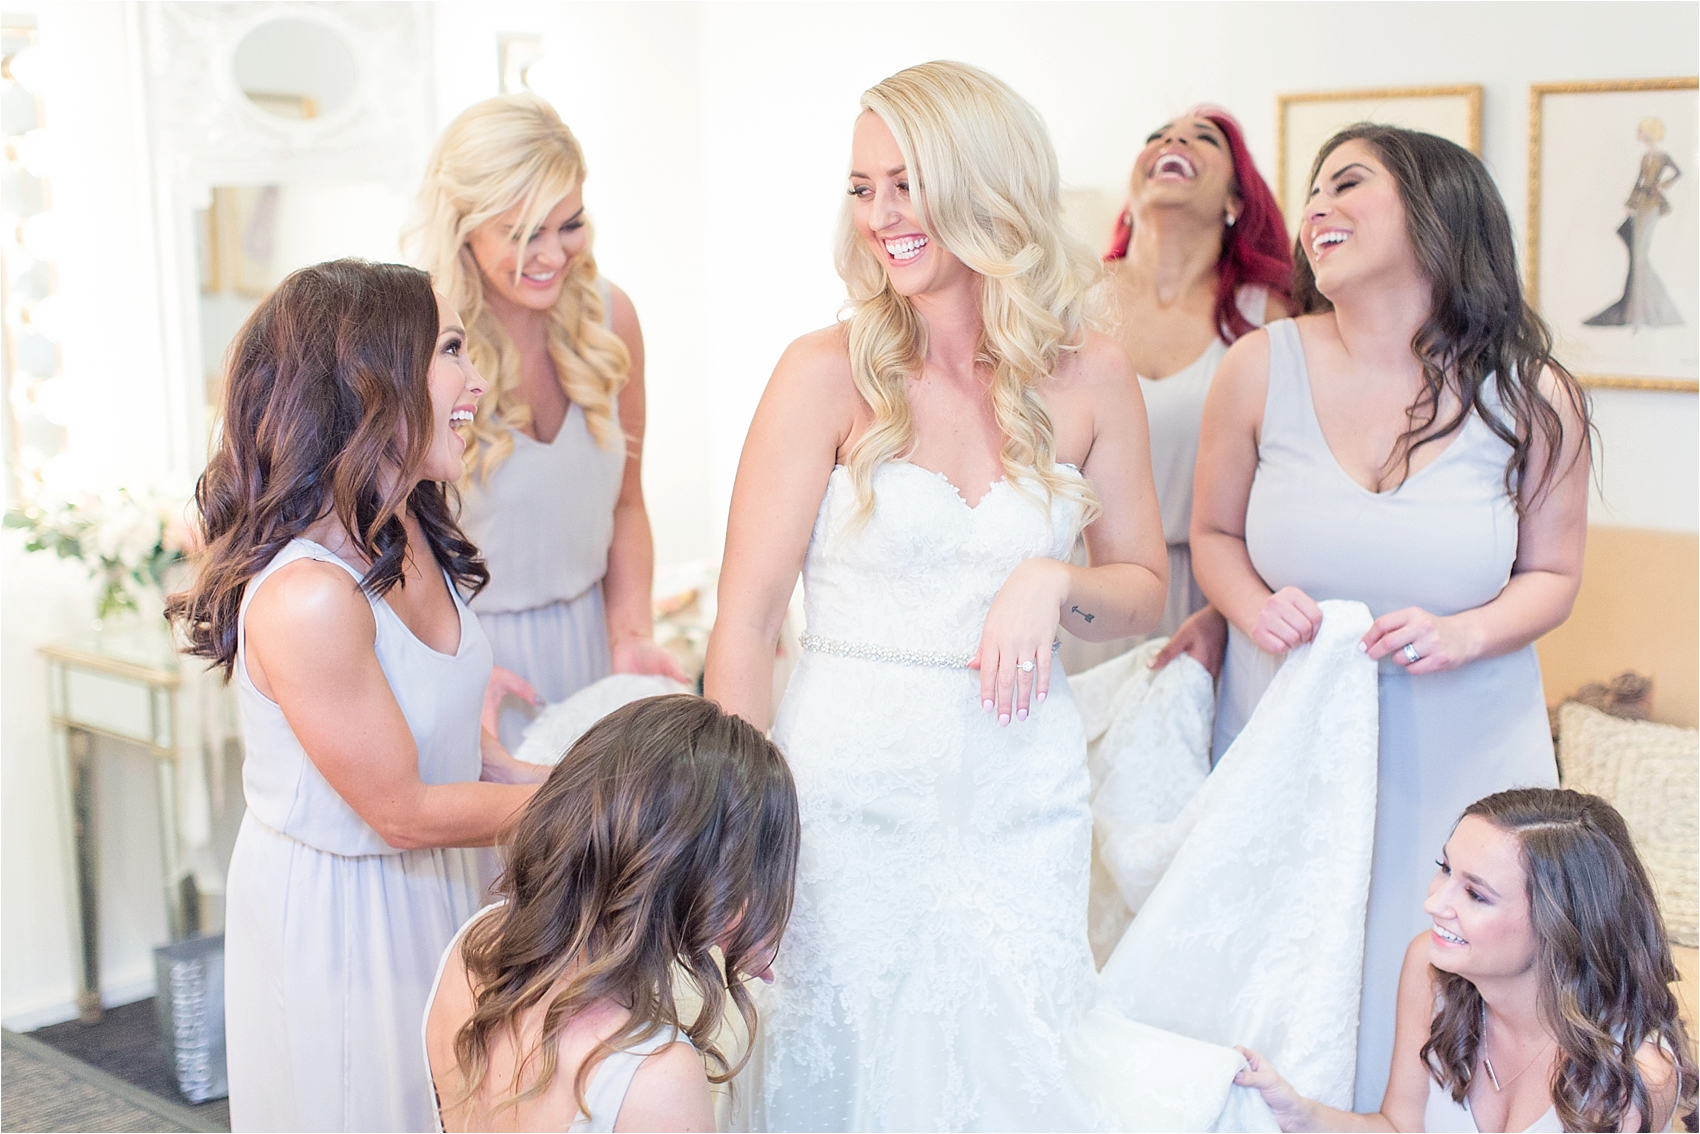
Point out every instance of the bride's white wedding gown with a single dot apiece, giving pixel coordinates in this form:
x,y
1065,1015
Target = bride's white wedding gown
x,y
936,973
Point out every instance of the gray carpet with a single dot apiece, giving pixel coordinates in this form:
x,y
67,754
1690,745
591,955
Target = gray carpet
x,y
126,1043
44,1089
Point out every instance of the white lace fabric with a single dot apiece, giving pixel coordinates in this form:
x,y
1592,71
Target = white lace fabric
x,y
936,973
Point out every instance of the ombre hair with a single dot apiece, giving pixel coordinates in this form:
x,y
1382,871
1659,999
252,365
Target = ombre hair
x,y
1602,957
670,828
505,153
1254,248
327,408
984,178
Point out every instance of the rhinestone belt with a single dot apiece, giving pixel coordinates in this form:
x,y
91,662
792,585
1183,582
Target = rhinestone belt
x,y
868,652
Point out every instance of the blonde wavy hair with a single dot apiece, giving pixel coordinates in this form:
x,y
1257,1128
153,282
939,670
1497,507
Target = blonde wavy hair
x,y
508,152
984,178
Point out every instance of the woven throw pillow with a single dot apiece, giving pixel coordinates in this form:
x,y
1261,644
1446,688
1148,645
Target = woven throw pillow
x,y
1651,774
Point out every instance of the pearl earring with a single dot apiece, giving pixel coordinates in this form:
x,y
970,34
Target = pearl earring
x,y
1231,218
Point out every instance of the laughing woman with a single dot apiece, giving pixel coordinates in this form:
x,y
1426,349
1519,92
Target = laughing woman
x,y
1546,953
330,587
1412,444
553,494
1199,259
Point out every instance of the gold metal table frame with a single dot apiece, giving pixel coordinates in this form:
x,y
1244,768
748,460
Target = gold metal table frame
x,y
137,656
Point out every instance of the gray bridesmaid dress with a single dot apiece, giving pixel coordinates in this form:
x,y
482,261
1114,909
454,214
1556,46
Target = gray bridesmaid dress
x,y
1445,540
544,521
1174,409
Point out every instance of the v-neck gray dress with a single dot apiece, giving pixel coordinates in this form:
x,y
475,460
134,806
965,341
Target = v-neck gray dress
x,y
544,521
1444,541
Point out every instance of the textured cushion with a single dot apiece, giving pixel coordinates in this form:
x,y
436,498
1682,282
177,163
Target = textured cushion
x,y
1651,773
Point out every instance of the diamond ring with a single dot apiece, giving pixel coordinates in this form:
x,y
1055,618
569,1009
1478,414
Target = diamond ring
x,y
1027,666
1411,655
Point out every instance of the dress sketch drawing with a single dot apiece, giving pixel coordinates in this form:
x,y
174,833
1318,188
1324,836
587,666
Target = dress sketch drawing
x,y
1645,302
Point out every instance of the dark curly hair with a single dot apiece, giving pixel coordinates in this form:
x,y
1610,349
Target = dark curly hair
x,y
1603,958
1479,329
327,390
669,827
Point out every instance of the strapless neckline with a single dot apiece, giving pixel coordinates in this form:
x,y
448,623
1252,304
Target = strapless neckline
x,y
934,474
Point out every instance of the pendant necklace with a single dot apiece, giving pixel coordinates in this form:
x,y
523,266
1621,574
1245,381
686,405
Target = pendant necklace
x,y
1494,1078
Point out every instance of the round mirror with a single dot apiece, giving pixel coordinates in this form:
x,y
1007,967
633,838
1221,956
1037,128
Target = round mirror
x,y
295,68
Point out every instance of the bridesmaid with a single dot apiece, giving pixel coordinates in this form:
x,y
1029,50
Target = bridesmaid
x,y
553,492
1411,443
330,588
1199,259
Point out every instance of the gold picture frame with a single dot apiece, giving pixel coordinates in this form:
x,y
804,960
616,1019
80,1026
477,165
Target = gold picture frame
x,y
1583,216
1305,120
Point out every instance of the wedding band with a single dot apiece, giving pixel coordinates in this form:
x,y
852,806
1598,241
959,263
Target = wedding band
x,y
1411,655
1027,666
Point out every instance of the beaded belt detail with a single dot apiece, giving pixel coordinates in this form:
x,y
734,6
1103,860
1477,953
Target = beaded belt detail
x,y
867,652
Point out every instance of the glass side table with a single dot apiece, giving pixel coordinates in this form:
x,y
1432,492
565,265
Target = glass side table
x,y
121,683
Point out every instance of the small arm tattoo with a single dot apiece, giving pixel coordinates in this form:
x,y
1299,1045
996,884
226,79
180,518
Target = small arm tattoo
x,y
1082,613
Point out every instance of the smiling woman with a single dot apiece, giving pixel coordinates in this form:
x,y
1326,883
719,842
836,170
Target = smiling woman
x,y
1411,444
1539,997
1200,258
928,464
552,490
329,588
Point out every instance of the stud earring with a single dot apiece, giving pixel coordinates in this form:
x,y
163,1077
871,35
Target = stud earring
x,y
1231,218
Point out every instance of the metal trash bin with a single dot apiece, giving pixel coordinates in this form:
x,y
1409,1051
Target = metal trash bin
x,y
189,978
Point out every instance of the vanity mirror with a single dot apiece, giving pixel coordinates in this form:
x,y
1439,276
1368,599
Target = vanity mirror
x,y
296,68
284,134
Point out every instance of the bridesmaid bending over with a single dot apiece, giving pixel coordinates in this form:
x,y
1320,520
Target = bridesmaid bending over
x,y
553,487
1410,443
1539,998
667,832
1199,259
330,588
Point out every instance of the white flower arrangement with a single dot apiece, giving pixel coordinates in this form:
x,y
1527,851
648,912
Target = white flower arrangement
x,y
126,536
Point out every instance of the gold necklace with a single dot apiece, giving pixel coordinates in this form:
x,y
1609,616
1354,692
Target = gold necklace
x,y
1494,1079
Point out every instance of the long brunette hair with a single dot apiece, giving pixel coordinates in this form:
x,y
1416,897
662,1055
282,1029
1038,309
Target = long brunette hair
x,y
668,828
1480,329
1254,248
326,409
1603,958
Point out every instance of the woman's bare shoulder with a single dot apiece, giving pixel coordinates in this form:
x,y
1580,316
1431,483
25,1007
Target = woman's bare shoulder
x,y
312,598
816,366
670,1091
1100,362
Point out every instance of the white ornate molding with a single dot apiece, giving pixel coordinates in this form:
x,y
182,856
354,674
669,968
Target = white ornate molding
x,y
200,131
206,132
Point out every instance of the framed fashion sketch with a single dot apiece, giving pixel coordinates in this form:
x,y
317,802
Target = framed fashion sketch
x,y
1304,121
1614,244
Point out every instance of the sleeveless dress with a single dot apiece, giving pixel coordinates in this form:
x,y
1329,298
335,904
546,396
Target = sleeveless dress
x,y
608,1085
936,972
1174,407
1445,541
1442,1113
544,520
331,935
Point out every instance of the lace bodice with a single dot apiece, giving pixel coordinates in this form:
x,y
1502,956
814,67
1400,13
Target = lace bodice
x,y
921,572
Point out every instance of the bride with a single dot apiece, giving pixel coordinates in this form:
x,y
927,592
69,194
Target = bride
x,y
927,464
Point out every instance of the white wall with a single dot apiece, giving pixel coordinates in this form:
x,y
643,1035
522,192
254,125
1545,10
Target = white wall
x,y
106,286
626,79
781,82
717,136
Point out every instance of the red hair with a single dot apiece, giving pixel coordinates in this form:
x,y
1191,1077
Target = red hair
x,y
1255,251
